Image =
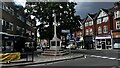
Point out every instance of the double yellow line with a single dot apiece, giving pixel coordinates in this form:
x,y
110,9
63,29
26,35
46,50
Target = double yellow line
x,y
7,57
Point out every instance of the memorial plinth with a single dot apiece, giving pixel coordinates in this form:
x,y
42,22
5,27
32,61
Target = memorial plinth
x,y
55,44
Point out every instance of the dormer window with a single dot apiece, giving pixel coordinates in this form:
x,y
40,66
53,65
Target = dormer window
x,y
117,14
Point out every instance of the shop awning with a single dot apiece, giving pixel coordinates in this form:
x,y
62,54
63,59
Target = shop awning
x,y
108,37
6,36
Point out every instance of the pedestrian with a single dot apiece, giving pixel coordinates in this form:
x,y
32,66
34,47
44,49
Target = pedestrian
x,y
43,47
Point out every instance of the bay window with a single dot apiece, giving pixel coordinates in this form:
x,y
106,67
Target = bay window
x,y
117,14
118,25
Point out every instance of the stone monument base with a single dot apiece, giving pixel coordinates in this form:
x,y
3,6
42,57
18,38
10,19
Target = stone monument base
x,y
55,53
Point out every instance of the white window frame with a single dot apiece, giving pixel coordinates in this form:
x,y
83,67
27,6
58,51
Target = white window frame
x,y
117,25
99,21
86,24
91,31
99,30
11,24
117,14
87,31
90,23
105,30
105,19
18,27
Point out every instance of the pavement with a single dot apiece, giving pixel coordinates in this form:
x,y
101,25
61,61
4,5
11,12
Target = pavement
x,y
40,59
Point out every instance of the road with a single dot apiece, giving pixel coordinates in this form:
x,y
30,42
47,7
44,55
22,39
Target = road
x,y
108,53
89,61
92,59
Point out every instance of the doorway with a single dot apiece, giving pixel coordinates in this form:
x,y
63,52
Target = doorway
x,y
103,45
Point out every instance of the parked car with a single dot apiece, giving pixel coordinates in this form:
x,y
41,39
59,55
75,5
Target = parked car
x,y
117,45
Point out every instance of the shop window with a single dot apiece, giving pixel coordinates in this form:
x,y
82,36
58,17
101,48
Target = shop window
x,y
108,41
103,39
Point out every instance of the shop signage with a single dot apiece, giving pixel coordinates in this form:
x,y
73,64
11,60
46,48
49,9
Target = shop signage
x,y
116,34
65,31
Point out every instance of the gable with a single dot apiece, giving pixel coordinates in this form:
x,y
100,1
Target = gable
x,y
102,14
88,18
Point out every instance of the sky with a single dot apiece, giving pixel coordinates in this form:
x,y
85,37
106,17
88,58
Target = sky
x,y
83,8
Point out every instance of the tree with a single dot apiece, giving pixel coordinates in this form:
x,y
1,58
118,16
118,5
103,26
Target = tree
x,y
43,11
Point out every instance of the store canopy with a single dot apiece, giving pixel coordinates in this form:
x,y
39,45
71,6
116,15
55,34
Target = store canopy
x,y
108,37
6,36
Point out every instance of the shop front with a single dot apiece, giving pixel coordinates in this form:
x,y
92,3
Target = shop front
x,y
116,39
7,42
88,42
103,42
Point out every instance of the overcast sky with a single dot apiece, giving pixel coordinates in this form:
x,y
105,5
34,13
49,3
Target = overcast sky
x,y
83,8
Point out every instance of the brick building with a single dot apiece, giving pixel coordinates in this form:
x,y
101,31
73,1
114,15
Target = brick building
x,y
89,31
103,29
15,29
115,12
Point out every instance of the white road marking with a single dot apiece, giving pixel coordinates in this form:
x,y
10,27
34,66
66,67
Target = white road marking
x,y
104,57
112,58
98,56
118,59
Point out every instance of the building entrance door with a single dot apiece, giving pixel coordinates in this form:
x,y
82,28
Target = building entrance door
x,y
103,45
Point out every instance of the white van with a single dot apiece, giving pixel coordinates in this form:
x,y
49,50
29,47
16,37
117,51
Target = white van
x,y
117,45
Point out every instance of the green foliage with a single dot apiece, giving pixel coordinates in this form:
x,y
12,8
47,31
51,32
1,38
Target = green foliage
x,y
64,15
